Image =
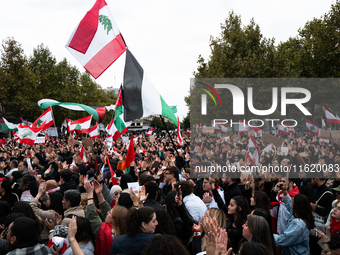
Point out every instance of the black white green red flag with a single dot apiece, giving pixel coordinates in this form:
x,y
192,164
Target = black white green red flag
x,y
97,42
140,97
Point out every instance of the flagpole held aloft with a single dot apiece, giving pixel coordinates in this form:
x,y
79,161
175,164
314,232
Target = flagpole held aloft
x,y
167,130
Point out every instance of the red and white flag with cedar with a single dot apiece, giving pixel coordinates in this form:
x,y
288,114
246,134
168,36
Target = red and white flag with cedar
x,y
252,152
47,117
81,125
244,127
323,123
282,128
27,134
82,154
312,127
97,42
330,115
179,135
94,132
149,133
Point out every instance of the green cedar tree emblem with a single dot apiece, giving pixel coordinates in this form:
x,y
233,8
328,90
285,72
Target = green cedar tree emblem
x,y
252,150
98,130
78,127
27,134
285,129
312,128
39,122
104,20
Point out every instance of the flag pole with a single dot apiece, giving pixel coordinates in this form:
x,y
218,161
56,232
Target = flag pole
x,y
167,130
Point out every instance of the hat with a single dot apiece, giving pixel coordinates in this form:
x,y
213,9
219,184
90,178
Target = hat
x,y
60,230
114,189
337,188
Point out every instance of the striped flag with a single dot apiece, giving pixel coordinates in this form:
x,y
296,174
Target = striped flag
x,y
282,128
94,132
149,133
140,97
47,117
179,136
245,127
97,42
81,125
312,127
6,125
330,115
323,123
252,152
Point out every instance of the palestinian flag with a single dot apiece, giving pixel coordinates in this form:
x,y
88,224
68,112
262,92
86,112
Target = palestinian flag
x,y
94,132
81,125
27,134
119,126
113,174
252,151
96,42
6,125
130,156
330,115
282,128
47,117
149,133
312,127
244,127
323,123
179,136
140,97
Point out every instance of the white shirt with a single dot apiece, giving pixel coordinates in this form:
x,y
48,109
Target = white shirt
x,y
195,206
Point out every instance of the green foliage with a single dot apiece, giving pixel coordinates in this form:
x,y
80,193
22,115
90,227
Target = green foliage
x,y
24,81
242,52
104,20
157,123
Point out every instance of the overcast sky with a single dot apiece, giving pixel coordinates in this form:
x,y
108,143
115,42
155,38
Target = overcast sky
x,y
166,37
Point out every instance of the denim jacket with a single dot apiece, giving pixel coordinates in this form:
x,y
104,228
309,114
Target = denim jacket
x,y
295,239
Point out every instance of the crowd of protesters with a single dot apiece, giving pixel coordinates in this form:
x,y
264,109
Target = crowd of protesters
x,y
53,201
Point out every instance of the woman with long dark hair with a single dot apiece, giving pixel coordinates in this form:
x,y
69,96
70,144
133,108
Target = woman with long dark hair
x,y
256,229
238,211
295,239
260,200
141,226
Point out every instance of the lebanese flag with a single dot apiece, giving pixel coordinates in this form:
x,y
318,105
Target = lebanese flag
x,y
323,123
291,130
244,127
149,133
94,132
27,134
82,154
3,141
130,155
282,128
330,116
204,130
6,125
81,125
140,97
252,151
312,127
97,42
179,135
47,117
188,131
